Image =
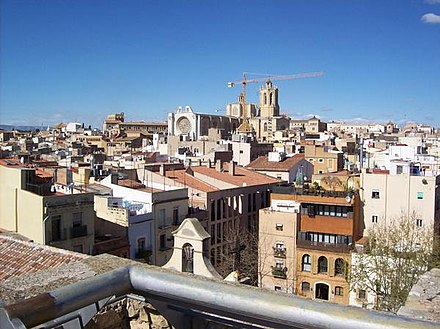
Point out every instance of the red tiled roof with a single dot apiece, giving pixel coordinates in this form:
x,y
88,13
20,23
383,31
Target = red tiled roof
x,y
263,163
381,171
21,257
43,174
242,175
185,179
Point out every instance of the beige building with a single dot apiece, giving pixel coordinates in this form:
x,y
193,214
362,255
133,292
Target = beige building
x,y
279,166
115,124
317,233
235,110
313,125
277,244
388,197
323,159
28,207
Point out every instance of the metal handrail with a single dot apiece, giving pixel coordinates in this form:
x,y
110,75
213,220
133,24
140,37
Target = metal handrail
x,y
211,299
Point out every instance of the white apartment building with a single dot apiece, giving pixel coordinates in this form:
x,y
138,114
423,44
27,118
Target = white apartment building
x,y
386,196
150,215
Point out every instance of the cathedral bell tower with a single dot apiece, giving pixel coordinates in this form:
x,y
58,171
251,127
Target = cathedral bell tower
x,y
269,101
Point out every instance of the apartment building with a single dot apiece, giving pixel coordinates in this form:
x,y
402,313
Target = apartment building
x,y
29,206
148,215
386,196
221,195
324,159
277,245
327,226
279,166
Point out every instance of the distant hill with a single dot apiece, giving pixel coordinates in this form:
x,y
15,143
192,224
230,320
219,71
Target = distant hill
x,y
22,128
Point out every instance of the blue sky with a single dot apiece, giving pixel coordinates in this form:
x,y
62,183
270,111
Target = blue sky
x,y
79,60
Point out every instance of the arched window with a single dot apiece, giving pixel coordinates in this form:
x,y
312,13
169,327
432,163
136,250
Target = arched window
x,y
188,258
265,127
306,263
322,265
339,267
305,286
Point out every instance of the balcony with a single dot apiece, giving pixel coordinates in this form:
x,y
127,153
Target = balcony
x,y
78,231
324,246
279,252
279,272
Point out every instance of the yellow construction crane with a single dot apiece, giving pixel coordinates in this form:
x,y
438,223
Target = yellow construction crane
x,y
245,126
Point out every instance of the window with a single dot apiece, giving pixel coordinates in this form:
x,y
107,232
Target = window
x,y
162,242
321,160
374,219
279,246
279,265
339,267
362,294
306,264
162,218
277,288
339,291
77,219
56,228
322,264
420,195
188,258
375,194
176,216
399,170
419,222
78,248
279,227
140,245
305,286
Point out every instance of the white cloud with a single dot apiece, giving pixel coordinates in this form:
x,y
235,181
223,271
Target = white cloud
x,y
431,18
432,2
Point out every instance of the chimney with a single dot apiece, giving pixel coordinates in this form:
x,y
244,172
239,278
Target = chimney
x,y
208,164
232,168
162,169
218,165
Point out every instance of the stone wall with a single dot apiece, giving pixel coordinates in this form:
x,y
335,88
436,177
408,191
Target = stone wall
x,y
128,314
423,302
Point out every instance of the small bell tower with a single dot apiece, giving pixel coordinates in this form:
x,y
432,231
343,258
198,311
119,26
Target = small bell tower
x,y
190,250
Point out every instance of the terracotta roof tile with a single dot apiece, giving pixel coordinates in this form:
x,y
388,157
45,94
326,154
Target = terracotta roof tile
x,y
185,179
21,257
263,163
242,175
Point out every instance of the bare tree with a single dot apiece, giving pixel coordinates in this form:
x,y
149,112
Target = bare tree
x,y
240,253
392,260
